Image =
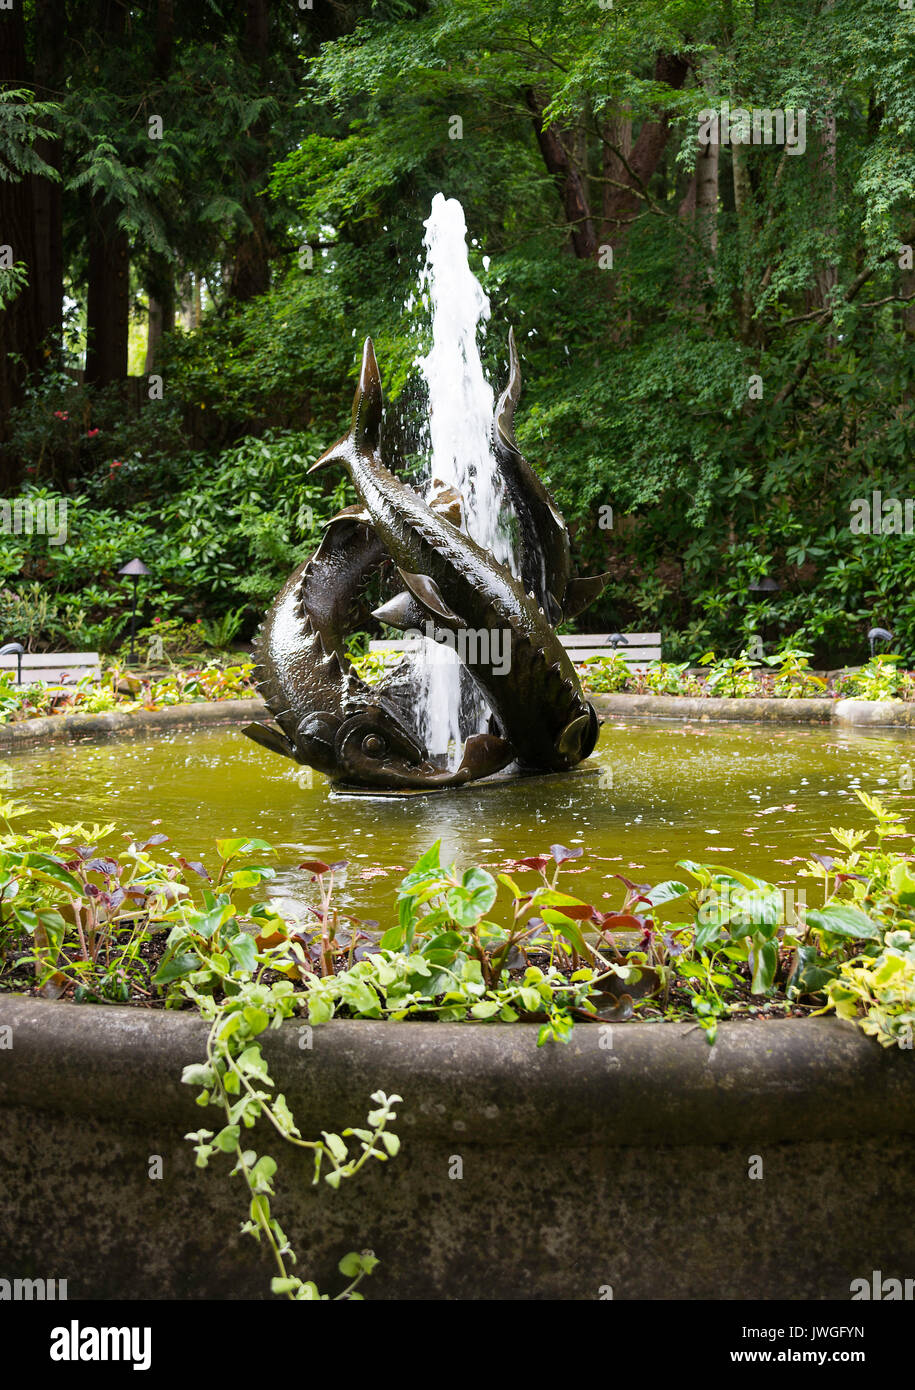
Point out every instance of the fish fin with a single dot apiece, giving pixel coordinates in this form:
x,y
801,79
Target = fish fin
x,y
368,403
335,454
485,754
354,513
554,608
590,739
428,595
400,612
574,737
581,593
271,738
504,418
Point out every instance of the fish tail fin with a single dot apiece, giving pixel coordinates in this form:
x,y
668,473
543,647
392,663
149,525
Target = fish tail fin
x,y
503,424
335,454
368,405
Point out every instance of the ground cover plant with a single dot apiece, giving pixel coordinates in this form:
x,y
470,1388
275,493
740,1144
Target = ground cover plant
x,y
81,919
124,691
785,675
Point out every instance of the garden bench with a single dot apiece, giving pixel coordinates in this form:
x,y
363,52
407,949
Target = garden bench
x,y
53,667
640,649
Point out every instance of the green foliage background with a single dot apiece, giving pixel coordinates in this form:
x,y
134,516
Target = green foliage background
x,y
635,378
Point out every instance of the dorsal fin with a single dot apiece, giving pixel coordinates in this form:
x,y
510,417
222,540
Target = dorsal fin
x,y
581,593
368,402
504,420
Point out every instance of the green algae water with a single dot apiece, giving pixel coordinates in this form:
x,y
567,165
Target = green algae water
x,y
756,797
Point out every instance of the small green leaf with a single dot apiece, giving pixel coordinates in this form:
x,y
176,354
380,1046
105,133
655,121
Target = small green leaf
x,y
844,920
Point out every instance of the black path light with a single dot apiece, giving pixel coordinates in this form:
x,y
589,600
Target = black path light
x,y
133,571
18,650
878,634
764,586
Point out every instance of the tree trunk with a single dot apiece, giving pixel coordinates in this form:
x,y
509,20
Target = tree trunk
x,y
251,252
47,193
616,134
744,208
49,247
827,273
161,319
108,300
20,320
827,196
165,34
558,149
700,209
622,205
162,306
707,197
907,287
160,276
108,304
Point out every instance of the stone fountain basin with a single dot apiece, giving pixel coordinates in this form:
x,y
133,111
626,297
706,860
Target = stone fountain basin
x,y
620,1161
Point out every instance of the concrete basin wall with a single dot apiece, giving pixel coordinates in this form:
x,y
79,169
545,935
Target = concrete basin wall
x,y
619,1165
30,733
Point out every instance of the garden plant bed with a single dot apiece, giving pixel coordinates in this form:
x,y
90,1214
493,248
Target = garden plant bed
x,y
510,1024
137,722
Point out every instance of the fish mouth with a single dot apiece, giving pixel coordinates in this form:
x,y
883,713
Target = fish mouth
x,y
484,754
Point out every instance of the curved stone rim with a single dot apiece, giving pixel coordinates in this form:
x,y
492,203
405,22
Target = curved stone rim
x,y
879,713
50,728
662,1083
762,710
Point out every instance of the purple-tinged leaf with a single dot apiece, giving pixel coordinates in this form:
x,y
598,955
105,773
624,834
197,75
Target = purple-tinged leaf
x,y
561,853
109,867
825,859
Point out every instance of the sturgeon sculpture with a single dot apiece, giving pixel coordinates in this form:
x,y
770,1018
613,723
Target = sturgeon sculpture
x,y
362,735
536,697
325,715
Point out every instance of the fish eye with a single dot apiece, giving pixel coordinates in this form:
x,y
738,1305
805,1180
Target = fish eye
x,y
374,745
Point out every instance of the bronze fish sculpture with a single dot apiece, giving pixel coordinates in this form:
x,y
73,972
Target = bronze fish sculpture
x,y
324,714
535,696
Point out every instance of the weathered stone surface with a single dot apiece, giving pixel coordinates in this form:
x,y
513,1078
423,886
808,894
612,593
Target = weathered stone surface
x,y
813,711
583,1166
899,713
139,723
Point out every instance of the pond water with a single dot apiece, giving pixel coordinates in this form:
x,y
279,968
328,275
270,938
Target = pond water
x,y
756,797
